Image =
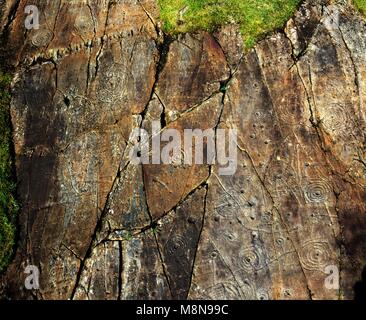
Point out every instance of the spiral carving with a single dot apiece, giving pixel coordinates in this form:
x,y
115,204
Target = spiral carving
x,y
250,260
247,290
262,294
42,38
315,255
176,246
335,119
113,87
317,191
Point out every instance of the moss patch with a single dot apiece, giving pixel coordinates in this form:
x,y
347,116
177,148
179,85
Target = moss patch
x,y
255,17
8,206
360,5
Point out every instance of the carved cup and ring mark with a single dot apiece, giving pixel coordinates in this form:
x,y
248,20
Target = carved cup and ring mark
x,y
113,88
315,255
251,259
248,290
317,191
227,206
176,246
335,119
41,38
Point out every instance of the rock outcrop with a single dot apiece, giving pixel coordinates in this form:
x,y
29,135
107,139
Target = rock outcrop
x,y
100,227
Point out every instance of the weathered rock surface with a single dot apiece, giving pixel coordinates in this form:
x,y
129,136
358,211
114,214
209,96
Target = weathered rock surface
x,y
100,227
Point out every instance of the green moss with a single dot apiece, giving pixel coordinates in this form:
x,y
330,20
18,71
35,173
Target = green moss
x,y
255,17
8,206
360,5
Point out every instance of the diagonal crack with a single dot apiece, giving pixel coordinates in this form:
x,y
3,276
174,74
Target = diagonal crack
x,y
198,241
103,39
156,241
98,228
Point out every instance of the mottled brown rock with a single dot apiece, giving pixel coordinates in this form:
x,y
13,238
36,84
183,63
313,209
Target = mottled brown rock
x,y
194,68
163,192
100,227
178,238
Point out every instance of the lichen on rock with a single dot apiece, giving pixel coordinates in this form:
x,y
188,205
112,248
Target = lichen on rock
x,y
8,205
